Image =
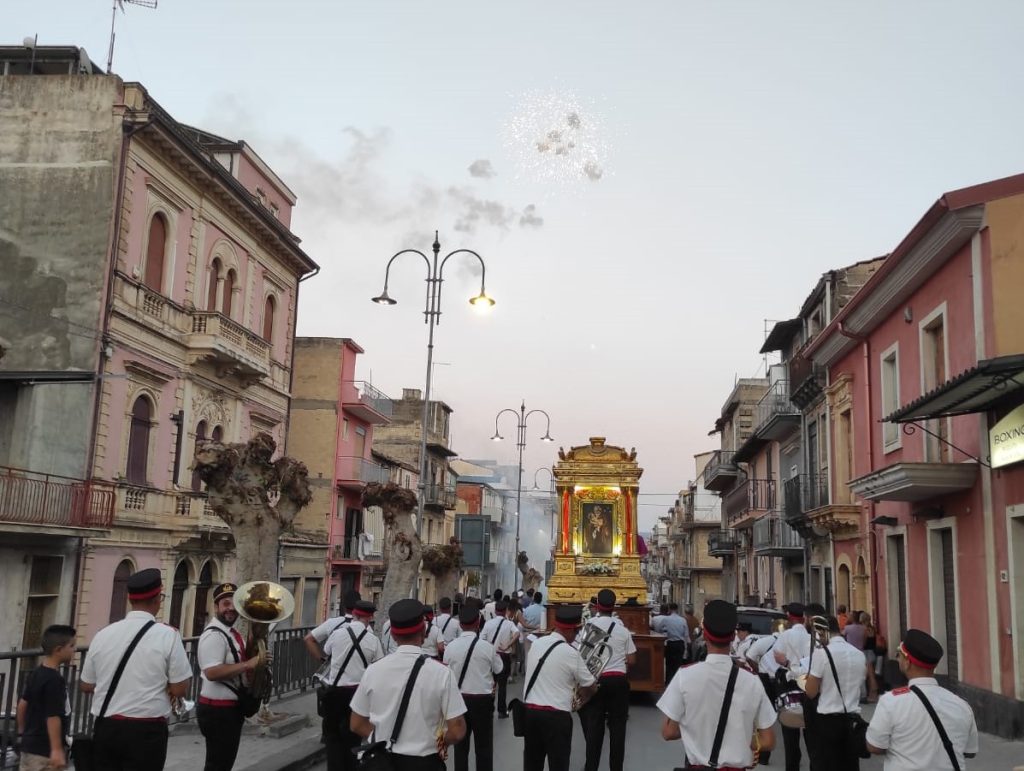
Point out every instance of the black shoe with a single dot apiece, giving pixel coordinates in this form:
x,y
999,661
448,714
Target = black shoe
x,y
502,715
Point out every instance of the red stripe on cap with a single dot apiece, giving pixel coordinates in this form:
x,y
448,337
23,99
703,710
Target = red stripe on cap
x,y
715,638
407,629
145,595
605,608
794,617
565,625
916,661
358,612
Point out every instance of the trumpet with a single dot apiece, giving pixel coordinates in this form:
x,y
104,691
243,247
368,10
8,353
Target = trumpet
x,y
182,708
263,604
595,652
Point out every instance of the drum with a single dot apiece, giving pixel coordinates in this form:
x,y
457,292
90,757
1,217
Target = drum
x,y
790,706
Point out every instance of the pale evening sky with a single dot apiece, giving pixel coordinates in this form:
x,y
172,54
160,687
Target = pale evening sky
x,y
716,158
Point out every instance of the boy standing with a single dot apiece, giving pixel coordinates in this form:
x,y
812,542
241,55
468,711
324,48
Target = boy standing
x,y
43,709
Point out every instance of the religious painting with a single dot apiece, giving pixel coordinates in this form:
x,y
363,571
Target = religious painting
x,y
597,527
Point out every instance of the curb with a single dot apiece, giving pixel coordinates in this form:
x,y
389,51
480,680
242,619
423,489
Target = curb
x,y
291,759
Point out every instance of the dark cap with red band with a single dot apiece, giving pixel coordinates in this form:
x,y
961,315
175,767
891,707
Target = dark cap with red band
x,y
364,608
406,617
606,600
921,649
145,584
568,616
719,622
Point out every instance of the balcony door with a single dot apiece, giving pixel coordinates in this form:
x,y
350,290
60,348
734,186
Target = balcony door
x,y
353,527
359,443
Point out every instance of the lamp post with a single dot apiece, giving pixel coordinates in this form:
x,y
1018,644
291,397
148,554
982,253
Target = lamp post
x,y
521,416
551,492
432,317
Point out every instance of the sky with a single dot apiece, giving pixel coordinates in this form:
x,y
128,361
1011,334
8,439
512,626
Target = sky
x,y
649,184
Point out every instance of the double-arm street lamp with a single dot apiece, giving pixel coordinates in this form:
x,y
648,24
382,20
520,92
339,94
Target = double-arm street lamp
x,y
549,505
521,416
432,317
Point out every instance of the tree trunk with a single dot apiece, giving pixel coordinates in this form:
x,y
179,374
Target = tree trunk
x,y
404,550
445,564
258,498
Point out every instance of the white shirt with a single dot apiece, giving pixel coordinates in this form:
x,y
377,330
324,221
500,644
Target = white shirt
x,y
901,725
488,611
762,654
485,664
432,641
694,700
658,623
322,632
501,633
434,700
157,660
742,646
794,644
562,672
387,641
338,646
212,651
448,626
621,643
851,666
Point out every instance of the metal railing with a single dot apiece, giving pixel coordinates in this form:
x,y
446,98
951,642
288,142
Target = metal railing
x,y
721,460
749,495
775,402
293,671
804,493
801,369
722,542
439,495
49,499
773,533
371,397
364,470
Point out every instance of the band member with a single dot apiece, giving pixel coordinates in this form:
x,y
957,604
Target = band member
x,y
761,657
316,639
502,634
433,643
611,702
132,733
693,702
490,608
677,641
222,661
836,698
554,672
474,662
902,727
351,648
446,623
793,645
742,642
436,719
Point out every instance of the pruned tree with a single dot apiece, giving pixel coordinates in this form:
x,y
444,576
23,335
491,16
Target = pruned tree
x,y
256,496
531,576
403,550
445,564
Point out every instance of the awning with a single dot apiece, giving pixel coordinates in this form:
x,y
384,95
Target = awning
x,y
781,334
979,389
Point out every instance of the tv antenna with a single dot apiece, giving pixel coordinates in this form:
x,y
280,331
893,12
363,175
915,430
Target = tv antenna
x,y
113,17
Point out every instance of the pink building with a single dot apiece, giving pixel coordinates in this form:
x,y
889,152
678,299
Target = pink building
x,y
925,382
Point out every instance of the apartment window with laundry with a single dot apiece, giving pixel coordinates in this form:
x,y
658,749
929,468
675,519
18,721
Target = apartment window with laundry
x,y
890,374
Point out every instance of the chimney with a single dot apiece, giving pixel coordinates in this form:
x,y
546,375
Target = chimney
x,y
412,394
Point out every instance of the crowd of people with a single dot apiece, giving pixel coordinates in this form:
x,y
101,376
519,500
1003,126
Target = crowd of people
x,y
430,682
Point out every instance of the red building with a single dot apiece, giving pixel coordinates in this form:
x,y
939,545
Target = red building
x,y
922,363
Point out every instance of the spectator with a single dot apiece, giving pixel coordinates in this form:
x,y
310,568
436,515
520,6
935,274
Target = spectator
x,y
842,618
44,711
870,644
854,632
691,620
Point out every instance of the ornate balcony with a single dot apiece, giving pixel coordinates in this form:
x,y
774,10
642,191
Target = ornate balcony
x,y
229,346
721,472
31,498
366,402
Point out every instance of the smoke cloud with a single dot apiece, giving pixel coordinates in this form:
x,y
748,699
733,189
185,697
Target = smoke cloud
x,y
530,218
482,169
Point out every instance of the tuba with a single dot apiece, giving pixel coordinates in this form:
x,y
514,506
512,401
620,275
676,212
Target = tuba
x,y
262,604
595,652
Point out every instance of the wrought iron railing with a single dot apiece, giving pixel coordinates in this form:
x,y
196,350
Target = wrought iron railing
x,y
721,460
356,469
48,499
775,402
750,495
722,542
293,671
803,493
772,532
373,398
439,495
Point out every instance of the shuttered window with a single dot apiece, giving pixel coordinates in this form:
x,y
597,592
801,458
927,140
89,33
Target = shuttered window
x,y
138,441
155,250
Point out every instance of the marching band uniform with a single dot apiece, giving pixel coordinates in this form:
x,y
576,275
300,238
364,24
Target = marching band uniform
x,y
133,732
435,699
446,623
831,725
548,706
502,634
761,655
324,630
477,688
793,645
219,717
902,727
695,696
386,640
433,643
338,736
611,702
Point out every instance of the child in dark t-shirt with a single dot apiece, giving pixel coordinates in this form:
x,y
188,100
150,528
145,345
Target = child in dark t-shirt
x,y
44,709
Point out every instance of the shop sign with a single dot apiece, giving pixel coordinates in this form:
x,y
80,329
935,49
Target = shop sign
x,y
1006,439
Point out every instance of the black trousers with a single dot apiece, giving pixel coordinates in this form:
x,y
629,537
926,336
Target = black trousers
x,y
222,729
675,655
480,726
547,735
832,734
417,763
130,745
765,757
611,704
337,735
502,681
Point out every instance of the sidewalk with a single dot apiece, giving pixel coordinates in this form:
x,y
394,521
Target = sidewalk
x,y
186,749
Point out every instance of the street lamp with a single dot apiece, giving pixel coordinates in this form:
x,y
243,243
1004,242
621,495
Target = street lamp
x,y
521,416
550,505
432,317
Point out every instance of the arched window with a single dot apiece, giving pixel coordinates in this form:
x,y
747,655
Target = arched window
x,y
155,251
202,611
229,291
119,595
178,590
138,441
211,289
197,483
218,434
268,319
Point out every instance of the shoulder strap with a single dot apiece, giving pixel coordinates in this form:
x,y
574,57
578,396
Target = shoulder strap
x,y
938,725
446,623
611,626
355,647
497,629
123,663
231,645
835,675
406,694
723,717
537,670
469,657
